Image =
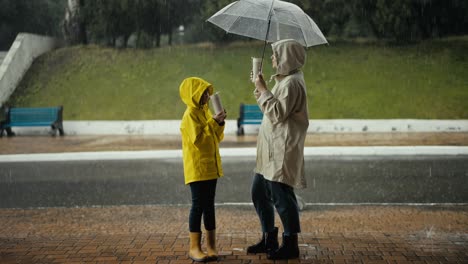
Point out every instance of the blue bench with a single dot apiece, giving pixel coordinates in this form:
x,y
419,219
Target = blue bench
x,y
32,117
249,115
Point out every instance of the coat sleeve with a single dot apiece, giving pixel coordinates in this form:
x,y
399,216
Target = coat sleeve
x,y
217,129
278,107
192,128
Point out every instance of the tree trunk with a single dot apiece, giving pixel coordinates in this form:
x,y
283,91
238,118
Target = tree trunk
x,y
137,43
158,39
83,38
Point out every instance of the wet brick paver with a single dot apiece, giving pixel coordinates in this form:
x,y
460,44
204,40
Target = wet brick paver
x,y
158,234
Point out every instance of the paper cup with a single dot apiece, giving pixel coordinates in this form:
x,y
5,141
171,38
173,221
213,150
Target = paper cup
x,y
216,103
256,67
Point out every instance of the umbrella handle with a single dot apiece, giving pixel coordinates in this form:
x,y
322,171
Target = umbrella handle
x,y
264,45
266,36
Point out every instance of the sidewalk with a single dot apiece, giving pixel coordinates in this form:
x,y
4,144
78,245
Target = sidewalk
x,y
49,144
158,234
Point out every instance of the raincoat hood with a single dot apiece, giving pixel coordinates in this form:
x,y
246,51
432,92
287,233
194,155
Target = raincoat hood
x,y
290,56
191,90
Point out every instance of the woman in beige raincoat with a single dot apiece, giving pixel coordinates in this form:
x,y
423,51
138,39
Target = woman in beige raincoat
x,y
280,150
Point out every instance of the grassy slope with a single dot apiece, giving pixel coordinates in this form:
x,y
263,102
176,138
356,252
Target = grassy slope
x,y
344,80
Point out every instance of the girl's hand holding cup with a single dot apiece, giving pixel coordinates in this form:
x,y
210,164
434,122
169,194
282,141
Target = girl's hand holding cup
x,y
220,117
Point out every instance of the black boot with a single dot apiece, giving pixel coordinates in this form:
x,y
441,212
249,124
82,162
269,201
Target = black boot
x,y
269,243
289,249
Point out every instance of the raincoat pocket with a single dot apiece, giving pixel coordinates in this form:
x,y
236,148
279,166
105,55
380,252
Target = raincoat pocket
x,y
276,147
207,166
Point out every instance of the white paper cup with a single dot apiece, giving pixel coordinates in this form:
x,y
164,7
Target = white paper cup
x,y
256,67
216,103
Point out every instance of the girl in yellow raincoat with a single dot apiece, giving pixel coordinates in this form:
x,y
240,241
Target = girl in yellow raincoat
x,y
201,134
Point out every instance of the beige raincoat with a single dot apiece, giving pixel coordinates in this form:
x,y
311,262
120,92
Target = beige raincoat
x,y
201,134
280,143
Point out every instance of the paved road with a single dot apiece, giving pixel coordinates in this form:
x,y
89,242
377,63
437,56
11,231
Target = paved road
x,y
127,180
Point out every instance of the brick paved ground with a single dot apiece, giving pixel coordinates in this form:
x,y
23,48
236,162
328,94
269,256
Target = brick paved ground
x,y
158,234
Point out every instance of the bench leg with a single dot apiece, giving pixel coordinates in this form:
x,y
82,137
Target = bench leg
x,y
58,127
240,131
10,132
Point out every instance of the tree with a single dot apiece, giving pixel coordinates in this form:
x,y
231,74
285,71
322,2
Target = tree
x,y
39,17
74,24
213,33
406,21
108,20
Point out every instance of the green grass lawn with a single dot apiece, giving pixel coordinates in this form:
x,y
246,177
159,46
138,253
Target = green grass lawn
x,y
344,80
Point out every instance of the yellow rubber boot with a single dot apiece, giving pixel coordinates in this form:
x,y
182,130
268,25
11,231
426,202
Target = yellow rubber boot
x,y
211,245
195,252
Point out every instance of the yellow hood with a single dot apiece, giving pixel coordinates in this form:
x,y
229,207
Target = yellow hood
x,y
191,90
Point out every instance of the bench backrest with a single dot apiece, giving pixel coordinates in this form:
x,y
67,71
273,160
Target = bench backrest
x,y
250,114
34,115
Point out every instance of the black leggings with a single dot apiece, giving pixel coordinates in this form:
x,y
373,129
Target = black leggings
x,y
203,196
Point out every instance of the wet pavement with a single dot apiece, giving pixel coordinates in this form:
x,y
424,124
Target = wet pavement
x,y
159,234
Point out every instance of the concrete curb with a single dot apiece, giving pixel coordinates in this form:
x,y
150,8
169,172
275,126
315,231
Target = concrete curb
x,y
171,127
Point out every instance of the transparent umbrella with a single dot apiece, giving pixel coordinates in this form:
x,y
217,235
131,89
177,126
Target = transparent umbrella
x,y
268,20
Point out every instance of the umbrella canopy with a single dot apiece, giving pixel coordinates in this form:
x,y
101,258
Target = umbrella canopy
x,y
268,20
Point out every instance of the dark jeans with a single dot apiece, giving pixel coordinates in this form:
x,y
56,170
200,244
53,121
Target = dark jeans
x,y
267,195
203,196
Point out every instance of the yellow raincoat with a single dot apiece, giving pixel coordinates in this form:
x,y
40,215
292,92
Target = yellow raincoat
x,y
201,134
